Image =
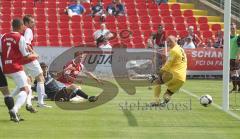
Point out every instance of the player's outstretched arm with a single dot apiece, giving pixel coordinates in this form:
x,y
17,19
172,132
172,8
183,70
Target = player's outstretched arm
x,y
90,74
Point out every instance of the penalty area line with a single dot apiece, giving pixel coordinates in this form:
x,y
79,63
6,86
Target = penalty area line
x,y
214,104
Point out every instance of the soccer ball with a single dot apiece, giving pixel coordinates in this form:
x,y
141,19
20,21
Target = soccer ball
x,y
206,100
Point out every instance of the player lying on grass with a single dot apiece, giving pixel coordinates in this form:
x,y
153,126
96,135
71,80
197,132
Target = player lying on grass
x,y
73,68
57,91
172,74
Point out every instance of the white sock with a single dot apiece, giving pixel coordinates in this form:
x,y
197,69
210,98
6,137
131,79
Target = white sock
x,y
29,97
41,92
15,92
22,96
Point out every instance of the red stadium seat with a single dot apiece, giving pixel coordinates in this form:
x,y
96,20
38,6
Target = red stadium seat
x,y
202,20
88,32
142,12
75,25
122,26
176,13
63,25
110,19
133,19
40,32
175,6
145,27
157,19
180,27
188,13
121,19
204,27
65,32
179,20
76,32
141,5
191,20
152,6
77,40
164,6
216,27
207,34
169,27
66,41
87,25
168,20
29,11
144,19
76,19
165,13
130,6
134,26
182,33
153,12
113,26
131,12
53,32
136,33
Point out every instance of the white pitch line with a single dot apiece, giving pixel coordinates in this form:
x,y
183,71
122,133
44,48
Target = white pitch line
x,y
214,104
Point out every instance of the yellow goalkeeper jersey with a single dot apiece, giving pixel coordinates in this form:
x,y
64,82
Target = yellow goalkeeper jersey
x,y
176,63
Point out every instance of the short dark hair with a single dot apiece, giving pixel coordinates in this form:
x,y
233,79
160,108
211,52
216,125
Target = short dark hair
x,y
16,23
26,18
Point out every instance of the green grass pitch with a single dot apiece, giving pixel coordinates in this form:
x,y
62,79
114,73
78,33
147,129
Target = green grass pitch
x,y
110,121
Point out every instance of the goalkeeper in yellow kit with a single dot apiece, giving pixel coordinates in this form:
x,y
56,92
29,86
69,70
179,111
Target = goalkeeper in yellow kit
x,y
172,74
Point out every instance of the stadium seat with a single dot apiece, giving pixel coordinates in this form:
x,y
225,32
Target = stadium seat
x,y
53,32
133,19
187,13
40,32
169,27
76,32
202,20
75,25
65,32
175,6
110,19
179,20
63,25
204,27
142,12
113,26
176,13
122,26
121,19
131,12
134,26
165,13
163,6
180,27
216,27
144,19
152,6
207,34
182,33
153,12
76,19
156,19
145,27
88,32
87,25
167,20
66,41
141,5
77,40
29,11
191,20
